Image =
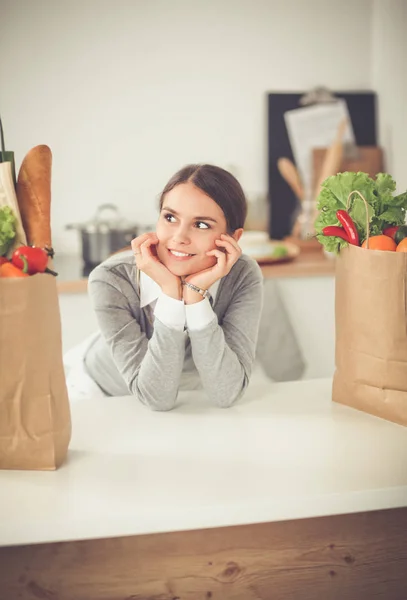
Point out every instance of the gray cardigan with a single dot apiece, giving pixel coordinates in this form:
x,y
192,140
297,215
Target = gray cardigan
x,y
139,355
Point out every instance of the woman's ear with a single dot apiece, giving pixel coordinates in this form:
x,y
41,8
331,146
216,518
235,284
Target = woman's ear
x,y
237,234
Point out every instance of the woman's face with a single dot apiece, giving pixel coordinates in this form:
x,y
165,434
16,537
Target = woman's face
x,y
189,223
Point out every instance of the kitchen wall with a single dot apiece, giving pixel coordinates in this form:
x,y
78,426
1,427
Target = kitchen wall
x,y
125,93
389,79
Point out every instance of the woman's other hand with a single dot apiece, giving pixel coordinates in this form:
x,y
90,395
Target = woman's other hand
x,y
145,253
227,253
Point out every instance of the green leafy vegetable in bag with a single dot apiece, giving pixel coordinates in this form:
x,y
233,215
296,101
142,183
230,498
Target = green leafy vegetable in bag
x,y
8,224
384,208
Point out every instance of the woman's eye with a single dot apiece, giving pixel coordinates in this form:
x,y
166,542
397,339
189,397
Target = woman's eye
x,y
169,217
202,225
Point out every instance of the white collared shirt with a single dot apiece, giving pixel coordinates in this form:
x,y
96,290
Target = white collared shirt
x,y
174,313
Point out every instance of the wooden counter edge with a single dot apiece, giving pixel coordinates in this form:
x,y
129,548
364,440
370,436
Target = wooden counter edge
x,y
306,265
78,286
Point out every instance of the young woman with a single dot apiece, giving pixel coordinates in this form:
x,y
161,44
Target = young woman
x,y
181,310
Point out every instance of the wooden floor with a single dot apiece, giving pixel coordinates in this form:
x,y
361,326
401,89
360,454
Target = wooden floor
x,y
351,557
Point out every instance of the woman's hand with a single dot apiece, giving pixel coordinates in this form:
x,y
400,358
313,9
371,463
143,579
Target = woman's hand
x,y
227,253
144,250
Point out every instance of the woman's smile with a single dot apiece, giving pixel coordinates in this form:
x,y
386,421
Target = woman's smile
x,y
179,256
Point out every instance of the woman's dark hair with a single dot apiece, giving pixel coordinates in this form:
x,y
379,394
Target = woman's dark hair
x,y
218,184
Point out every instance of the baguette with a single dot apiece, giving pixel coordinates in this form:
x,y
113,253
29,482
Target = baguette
x,y
34,196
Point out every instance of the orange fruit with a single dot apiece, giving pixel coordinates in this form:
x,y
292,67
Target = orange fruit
x,y
381,242
402,247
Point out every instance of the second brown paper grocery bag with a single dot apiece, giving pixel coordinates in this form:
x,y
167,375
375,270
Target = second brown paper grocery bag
x,y
371,332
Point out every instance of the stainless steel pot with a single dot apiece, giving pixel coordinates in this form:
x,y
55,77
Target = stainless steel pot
x,y
103,236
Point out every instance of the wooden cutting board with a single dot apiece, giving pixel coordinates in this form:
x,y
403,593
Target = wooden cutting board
x,y
370,160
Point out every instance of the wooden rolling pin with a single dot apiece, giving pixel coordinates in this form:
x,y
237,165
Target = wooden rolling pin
x,y
333,158
289,172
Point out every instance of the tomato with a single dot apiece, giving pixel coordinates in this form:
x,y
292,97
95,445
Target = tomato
x,y
37,259
391,231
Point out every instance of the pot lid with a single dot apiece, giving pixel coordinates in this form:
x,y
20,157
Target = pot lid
x,y
103,222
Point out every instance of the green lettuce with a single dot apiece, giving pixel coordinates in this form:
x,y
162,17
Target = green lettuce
x,y
388,209
8,223
381,210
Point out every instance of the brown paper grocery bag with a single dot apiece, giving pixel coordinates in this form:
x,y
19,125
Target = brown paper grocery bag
x,y
371,332
35,422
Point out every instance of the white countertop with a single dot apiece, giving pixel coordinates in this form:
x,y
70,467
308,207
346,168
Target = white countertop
x,y
285,452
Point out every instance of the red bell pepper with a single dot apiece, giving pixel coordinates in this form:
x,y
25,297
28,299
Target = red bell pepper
x,y
37,259
334,230
349,226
